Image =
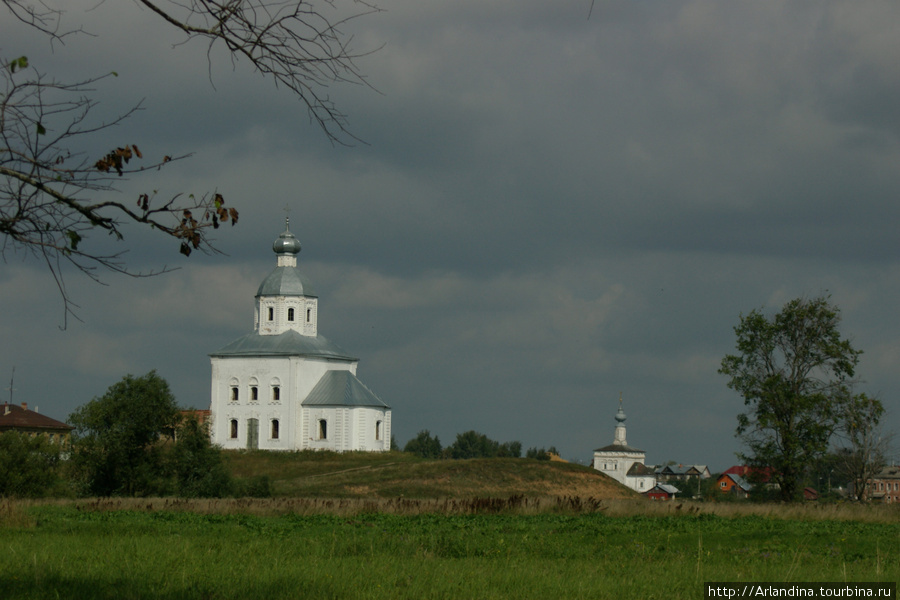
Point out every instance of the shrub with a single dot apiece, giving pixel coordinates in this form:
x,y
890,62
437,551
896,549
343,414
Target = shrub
x,y
29,465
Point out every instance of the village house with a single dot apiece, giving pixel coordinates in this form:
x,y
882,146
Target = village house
x,y
885,486
662,491
681,472
18,418
286,387
734,484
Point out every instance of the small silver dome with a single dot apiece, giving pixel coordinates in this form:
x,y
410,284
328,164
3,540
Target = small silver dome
x,y
286,243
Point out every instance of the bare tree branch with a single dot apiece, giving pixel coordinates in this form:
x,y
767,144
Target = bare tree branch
x,y
293,42
51,197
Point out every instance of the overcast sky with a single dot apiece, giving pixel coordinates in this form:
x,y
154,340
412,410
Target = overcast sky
x,y
550,210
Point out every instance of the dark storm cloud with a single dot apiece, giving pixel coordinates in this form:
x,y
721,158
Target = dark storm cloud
x,y
548,210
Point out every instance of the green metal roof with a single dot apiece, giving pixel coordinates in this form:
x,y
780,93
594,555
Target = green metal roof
x,y
342,388
286,281
289,343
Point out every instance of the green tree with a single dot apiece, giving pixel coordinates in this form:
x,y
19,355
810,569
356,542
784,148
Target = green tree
x,y
424,445
117,444
29,465
794,372
510,450
197,465
541,453
472,444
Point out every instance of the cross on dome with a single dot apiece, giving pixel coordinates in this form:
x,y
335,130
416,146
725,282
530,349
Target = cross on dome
x,y
620,414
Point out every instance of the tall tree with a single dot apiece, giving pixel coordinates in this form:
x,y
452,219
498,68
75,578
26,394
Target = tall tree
x,y
52,195
117,443
794,372
863,446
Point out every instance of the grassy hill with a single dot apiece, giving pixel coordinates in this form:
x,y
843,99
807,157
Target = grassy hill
x,y
398,474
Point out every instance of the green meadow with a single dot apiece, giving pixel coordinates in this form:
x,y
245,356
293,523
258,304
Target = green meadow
x,y
515,548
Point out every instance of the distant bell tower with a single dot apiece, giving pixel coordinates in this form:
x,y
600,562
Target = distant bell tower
x,y
619,436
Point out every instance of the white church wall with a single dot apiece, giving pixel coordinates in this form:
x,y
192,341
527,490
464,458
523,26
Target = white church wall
x,y
346,429
616,464
373,431
281,384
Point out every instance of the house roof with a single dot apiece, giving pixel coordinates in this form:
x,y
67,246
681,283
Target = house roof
x,y
342,388
683,470
664,487
892,472
289,343
757,473
738,481
13,416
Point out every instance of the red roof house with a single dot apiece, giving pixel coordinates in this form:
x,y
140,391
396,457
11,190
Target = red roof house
x,y
18,418
754,474
662,491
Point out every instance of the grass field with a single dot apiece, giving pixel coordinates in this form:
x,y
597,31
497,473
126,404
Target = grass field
x,y
346,548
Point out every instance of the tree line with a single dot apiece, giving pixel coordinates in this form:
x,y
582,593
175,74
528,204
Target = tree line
x,y
472,444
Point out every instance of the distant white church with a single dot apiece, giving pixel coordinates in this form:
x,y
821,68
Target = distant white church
x,y
622,462
284,386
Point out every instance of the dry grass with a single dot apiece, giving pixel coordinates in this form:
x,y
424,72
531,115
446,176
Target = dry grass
x,y
13,514
14,511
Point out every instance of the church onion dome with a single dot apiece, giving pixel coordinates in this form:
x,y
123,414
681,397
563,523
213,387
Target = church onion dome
x,y
286,243
286,281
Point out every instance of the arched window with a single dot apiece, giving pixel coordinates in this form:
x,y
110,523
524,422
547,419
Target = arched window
x,y
290,314
271,314
308,315
234,429
254,393
234,393
323,429
275,428
275,390
377,430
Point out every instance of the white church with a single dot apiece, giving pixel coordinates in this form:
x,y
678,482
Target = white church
x,y
284,386
622,462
